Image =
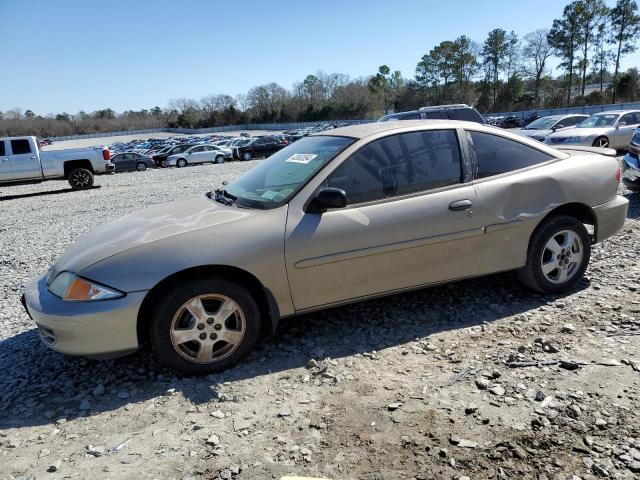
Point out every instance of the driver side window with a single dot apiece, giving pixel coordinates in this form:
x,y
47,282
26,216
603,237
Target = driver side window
x,y
399,165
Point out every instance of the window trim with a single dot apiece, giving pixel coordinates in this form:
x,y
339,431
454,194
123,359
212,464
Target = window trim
x,y
474,158
465,175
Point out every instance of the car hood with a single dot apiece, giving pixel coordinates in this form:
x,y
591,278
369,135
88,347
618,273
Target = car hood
x,y
535,133
145,227
579,132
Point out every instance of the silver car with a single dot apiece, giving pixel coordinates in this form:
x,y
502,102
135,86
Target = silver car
x,y
337,217
199,154
612,129
543,127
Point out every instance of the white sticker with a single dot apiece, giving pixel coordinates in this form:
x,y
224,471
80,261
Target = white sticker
x,y
301,158
269,194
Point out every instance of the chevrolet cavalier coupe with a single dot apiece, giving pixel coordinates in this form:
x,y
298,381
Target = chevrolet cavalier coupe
x,y
337,217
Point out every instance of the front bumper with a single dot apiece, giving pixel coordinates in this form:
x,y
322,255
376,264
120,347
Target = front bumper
x,y
630,167
105,329
610,217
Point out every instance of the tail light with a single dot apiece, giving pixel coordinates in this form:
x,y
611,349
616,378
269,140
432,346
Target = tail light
x,y
618,174
106,154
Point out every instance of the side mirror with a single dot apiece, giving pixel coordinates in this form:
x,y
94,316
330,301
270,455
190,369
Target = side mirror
x,y
557,127
621,124
328,198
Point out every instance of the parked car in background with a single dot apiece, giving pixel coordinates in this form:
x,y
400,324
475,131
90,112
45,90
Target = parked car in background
x,y
161,157
128,161
356,213
21,161
199,154
259,147
510,121
438,112
542,127
612,129
631,164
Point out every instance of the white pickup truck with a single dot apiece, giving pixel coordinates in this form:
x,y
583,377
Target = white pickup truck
x,y
21,161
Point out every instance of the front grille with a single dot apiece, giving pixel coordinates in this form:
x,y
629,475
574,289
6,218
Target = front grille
x,y
47,335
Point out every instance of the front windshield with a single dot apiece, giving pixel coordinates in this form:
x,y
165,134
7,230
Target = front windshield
x,y
599,120
543,123
277,179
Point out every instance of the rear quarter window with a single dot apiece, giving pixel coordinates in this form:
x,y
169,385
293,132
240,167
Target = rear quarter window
x,y
496,155
466,114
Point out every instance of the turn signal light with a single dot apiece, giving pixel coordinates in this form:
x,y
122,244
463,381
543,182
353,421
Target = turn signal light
x,y
618,174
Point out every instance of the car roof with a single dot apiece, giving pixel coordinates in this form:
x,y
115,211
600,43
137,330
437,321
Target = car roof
x,y
617,112
364,130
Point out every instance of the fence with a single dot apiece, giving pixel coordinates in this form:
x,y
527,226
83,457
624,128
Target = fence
x,y
588,110
195,131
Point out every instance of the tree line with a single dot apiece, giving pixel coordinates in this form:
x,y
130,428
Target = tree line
x,y
505,72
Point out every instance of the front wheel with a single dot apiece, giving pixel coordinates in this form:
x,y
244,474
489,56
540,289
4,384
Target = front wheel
x,y
219,159
141,167
80,179
558,255
246,156
602,142
205,326
181,163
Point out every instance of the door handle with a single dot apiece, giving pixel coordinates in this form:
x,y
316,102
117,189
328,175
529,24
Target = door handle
x,y
33,158
460,205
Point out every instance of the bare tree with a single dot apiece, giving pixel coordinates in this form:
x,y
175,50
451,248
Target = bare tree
x,y
536,51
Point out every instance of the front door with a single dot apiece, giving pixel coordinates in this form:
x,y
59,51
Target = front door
x,y
24,161
410,221
623,133
5,164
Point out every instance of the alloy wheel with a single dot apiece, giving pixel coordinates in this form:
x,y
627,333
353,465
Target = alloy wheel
x,y
208,328
602,142
562,256
81,178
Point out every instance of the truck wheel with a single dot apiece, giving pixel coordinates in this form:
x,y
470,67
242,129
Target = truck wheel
x,y
80,179
559,252
204,326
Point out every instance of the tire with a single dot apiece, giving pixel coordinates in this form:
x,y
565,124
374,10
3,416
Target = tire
x,y
163,164
566,251
80,178
602,142
181,163
219,159
176,334
246,156
141,167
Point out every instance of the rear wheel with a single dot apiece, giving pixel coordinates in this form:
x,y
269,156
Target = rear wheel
x,y
141,167
219,159
205,326
181,163
246,156
602,142
80,178
559,252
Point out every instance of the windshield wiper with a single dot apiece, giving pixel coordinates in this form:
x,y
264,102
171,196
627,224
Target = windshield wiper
x,y
224,197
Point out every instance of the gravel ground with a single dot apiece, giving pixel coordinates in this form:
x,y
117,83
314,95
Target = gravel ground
x,y
477,379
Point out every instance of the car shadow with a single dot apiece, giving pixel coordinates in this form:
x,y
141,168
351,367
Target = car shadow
x,y
39,386
40,194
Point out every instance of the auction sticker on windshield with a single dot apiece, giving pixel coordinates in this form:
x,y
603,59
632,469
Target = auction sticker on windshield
x,y
301,158
269,194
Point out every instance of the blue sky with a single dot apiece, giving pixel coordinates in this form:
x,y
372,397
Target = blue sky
x,y
71,55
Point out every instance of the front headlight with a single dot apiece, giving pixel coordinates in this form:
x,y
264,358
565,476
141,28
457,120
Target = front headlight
x,y
72,288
